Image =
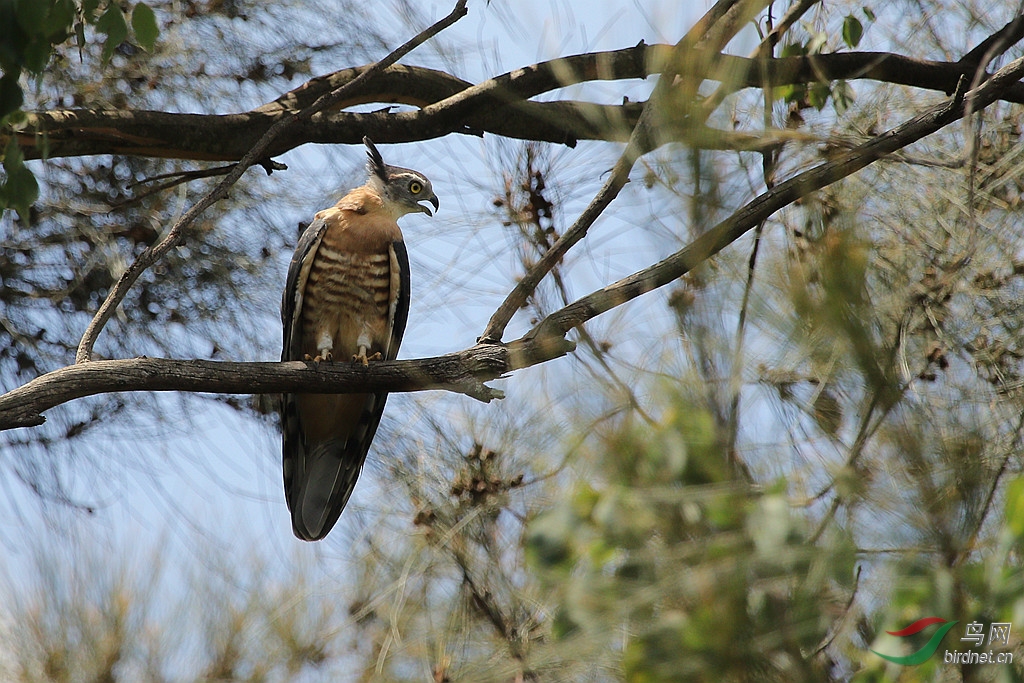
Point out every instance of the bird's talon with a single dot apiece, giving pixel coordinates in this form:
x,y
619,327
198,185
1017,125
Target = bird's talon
x,y
318,358
363,359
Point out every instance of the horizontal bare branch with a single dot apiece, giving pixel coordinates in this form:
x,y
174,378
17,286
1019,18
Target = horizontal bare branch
x,y
500,105
463,372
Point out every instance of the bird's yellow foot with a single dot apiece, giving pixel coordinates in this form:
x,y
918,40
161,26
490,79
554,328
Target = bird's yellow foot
x,y
319,358
361,357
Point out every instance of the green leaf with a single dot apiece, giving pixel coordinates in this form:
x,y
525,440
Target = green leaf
x,y
791,93
842,96
113,24
853,30
548,540
563,625
818,94
11,96
17,120
43,25
1015,507
37,55
144,25
58,20
13,156
868,13
20,189
793,50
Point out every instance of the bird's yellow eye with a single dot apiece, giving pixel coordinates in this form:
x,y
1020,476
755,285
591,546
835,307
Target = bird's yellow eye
x,y
415,187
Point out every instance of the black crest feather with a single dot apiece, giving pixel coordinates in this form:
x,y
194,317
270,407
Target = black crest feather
x,y
375,164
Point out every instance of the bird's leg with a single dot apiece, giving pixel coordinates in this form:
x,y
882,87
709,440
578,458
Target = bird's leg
x,y
324,345
364,343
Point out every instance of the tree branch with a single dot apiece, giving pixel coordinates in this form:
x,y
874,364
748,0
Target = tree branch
x,y
174,236
499,105
464,372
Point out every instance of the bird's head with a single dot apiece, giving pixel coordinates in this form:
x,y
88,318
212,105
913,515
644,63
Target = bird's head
x,y
402,189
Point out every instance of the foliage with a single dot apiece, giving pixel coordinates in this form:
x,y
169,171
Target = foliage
x,y
32,31
684,571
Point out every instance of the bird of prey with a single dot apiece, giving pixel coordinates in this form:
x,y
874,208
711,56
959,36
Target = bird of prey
x,y
346,299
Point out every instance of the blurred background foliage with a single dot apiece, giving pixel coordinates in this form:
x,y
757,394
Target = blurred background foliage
x,y
751,476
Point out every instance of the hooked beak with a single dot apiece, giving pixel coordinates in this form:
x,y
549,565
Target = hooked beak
x,y
435,202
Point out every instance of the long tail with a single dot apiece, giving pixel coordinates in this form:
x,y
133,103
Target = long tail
x,y
319,477
320,494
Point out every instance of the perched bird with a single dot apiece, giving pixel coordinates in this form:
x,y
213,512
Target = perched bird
x,y
346,299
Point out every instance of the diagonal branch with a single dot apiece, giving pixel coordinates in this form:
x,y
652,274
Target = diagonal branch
x,y
617,179
174,236
557,324
641,140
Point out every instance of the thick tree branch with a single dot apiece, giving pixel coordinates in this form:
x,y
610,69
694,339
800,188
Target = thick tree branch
x,y
463,372
500,105
257,152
